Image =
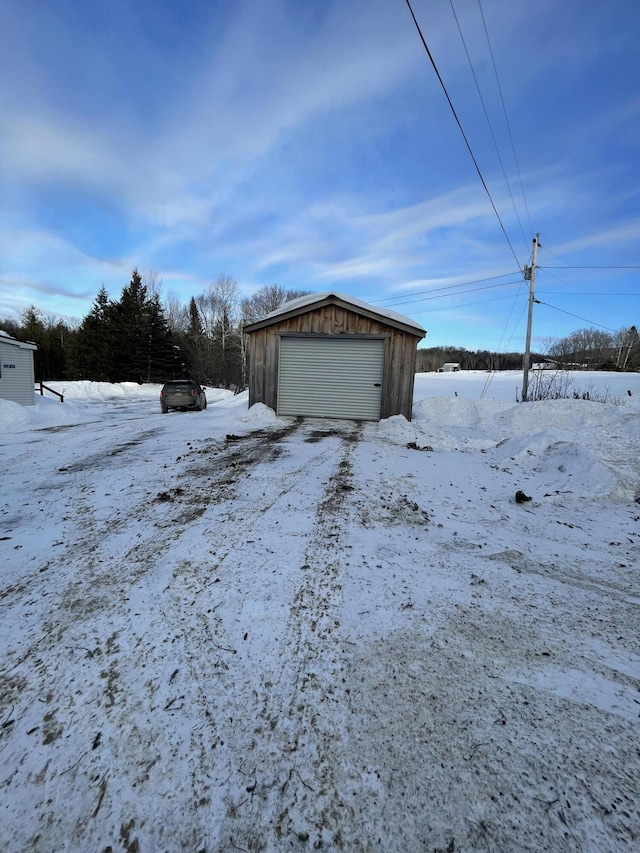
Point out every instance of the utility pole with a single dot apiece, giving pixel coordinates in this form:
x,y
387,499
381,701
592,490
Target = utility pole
x,y
530,276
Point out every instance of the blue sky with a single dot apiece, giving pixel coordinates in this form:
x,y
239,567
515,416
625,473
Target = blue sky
x,y
308,143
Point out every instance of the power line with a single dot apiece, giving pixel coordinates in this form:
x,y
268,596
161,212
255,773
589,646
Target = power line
x,y
445,287
571,267
559,279
486,115
515,326
489,378
458,307
506,117
508,320
464,136
584,319
589,273
459,293
506,325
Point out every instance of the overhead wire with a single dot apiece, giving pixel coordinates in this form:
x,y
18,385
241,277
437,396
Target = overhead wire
x,y
575,267
445,287
486,115
458,307
471,154
572,267
524,197
459,293
402,299
470,150
464,136
548,271
515,299
506,117
489,377
577,316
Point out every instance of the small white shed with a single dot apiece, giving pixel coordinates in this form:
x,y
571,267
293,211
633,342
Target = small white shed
x,y
451,367
17,375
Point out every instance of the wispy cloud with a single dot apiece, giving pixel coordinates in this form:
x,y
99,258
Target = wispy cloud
x,y
304,143
627,233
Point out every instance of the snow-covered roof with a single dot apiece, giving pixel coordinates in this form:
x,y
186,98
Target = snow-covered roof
x,y
295,306
7,339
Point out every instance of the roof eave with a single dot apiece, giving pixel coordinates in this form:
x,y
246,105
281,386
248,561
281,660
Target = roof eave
x,y
20,344
332,299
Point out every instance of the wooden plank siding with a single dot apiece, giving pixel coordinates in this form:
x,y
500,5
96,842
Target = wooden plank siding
x,y
399,359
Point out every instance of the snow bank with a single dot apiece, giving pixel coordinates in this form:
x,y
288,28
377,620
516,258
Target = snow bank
x,y
591,445
260,415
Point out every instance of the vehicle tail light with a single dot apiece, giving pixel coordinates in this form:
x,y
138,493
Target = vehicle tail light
x,y
195,392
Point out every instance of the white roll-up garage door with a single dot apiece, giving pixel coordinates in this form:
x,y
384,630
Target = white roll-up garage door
x,y
331,377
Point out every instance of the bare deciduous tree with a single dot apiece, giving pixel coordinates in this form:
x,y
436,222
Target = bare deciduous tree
x,y
152,281
176,313
267,299
218,313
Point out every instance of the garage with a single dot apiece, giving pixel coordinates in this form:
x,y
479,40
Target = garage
x,y
330,355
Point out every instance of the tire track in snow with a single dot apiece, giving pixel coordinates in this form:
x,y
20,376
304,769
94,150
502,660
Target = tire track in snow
x,y
220,677
163,627
100,661
92,536
292,762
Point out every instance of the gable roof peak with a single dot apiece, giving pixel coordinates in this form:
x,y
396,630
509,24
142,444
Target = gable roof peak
x,y
298,306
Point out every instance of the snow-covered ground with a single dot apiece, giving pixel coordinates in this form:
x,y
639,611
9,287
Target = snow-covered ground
x,y
229,631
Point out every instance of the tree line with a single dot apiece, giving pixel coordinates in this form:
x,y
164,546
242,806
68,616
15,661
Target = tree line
x,y
433,358
584,349
597,349
141,337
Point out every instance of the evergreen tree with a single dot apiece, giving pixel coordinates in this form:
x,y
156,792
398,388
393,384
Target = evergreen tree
x,y
196,329
131,330
162,359
128,340
58,340
33,330
91,351
195,347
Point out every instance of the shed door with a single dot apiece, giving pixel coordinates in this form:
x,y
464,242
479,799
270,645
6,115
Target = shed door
x,y
330,377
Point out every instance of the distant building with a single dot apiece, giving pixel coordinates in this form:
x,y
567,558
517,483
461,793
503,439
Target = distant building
x,y
451,367
17,375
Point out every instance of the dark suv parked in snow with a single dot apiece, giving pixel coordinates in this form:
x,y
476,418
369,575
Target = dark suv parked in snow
x,y
182,394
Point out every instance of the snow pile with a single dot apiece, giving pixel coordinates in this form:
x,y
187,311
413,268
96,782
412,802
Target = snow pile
x,y
104,391
47,412
259,415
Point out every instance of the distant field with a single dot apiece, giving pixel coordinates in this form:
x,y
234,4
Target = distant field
x,y
507,385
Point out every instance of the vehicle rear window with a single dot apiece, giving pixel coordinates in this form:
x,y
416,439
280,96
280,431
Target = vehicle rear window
x,y
178,386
